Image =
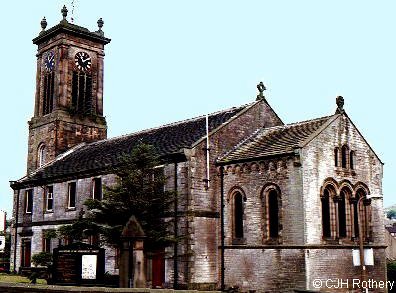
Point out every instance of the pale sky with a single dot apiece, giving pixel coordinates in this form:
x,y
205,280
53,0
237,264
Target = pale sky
x,y
172,60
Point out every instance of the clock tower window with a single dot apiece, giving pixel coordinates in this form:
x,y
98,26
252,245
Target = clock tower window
x,y
48,93
82,93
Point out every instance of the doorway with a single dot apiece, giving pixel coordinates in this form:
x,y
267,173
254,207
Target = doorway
x,y
26,253
156,269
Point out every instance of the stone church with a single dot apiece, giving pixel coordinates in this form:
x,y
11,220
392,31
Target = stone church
x,y
266,206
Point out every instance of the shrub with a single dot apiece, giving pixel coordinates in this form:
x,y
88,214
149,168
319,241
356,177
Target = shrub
x,y
43,259
391,268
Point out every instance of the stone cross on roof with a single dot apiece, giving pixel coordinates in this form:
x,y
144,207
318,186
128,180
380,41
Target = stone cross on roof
x,y
64,12
261,88
340,105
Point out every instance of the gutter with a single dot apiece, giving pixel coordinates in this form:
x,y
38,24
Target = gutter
x,y
26,183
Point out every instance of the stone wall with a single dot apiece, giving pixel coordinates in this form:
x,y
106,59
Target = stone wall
x,y
251,178
203,201
336,264
265,269
300,238
31,226
182,225
318,164
390,251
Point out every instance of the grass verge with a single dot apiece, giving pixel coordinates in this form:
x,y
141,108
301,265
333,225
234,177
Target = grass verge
x,y
10,278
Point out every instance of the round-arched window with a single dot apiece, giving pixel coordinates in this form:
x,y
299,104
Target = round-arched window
x,y
41,156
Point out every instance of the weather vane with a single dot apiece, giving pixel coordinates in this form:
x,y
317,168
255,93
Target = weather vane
x,y
72,12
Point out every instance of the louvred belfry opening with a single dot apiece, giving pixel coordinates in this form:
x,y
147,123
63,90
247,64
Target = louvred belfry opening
x,y
82,93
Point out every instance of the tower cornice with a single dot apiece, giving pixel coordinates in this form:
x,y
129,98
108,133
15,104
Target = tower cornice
x,y
72,29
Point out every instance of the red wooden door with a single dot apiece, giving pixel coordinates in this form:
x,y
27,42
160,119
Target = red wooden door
x,y
26,253
158,271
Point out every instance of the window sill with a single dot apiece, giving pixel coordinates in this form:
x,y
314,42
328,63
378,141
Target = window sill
x,y
327,240
345,171
70,209
239,241
272,241
346,240
49,212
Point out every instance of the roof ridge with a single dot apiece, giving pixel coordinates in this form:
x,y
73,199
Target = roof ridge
x,y
169,124
301,122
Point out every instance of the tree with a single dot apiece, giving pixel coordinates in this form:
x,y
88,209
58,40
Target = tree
x,y
391,214
139,191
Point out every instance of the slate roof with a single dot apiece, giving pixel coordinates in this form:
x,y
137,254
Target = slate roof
x,y
88,158
274,141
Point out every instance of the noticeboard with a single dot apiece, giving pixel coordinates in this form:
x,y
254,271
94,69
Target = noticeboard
x,y
78,264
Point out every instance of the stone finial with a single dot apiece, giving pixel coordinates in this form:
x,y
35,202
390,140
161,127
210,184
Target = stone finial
x,y
64,12
43,23
100,23
340,104
261,88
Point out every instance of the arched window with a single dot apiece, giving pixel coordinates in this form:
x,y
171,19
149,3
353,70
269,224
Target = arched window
x,y
355,218
351,160
336,151
362,214
343,213
329,216
344,156
326,219
41,156
273,214
238,215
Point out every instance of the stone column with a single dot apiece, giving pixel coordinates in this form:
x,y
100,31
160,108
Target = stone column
x,y
139,276
131,268
124,265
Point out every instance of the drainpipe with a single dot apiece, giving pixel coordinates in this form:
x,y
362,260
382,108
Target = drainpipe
x,y
175,264
16,229
222,225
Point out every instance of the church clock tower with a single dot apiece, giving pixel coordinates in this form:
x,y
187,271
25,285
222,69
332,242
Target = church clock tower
x,y
69,90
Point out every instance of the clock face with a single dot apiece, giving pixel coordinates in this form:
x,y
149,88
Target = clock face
x,y
49,61
83,61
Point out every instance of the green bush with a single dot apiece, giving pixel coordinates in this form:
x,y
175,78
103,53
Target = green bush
x,y
33,277
391,268
43,259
